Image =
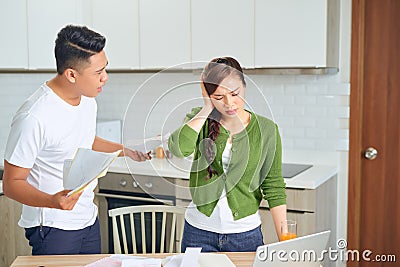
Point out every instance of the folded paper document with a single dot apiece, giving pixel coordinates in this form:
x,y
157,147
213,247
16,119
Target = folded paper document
x,y
86,166
148,144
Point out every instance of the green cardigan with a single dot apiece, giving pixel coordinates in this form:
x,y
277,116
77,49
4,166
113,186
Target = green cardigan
x,y
256,163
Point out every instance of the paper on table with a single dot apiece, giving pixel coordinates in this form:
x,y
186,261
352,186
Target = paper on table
x,y
204,260
189,259
150,262
148,144
86,166
210,259
119,260
105,262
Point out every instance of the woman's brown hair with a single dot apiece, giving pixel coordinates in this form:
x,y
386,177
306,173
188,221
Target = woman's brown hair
x,y
213,74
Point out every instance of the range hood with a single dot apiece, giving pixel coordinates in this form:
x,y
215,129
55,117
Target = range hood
x,y
292,71
264,71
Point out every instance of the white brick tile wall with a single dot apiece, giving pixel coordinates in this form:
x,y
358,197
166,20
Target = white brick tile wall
x,y
312,111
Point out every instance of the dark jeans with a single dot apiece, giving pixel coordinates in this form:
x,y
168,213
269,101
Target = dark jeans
x,y
214,242
53,241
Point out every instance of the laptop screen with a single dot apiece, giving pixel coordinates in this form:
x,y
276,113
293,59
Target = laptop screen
x,y
305,251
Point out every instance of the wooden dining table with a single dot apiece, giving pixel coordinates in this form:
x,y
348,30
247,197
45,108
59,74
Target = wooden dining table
x,y
240,259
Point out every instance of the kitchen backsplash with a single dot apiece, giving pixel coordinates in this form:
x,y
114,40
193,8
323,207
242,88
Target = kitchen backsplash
x,y
312,111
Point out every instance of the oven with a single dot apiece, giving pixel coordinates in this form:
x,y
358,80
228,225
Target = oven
x,y
120,190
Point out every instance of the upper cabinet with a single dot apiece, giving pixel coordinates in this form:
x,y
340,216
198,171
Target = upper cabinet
x,y
223,28
296,33
45,19
118,20
164,33
157,34
14,42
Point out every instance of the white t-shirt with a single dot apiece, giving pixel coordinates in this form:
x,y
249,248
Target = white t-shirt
x,y
221,220
45,131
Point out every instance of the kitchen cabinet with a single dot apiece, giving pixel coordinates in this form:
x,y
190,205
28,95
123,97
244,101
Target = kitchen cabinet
x,y
13,242
14,41
223,28
296,33
45,19
156,34
313,209
164,33
118,21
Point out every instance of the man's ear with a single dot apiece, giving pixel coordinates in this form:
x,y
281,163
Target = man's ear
x,y
70,74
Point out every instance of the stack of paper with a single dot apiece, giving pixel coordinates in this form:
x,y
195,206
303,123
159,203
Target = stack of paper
x,y
86,166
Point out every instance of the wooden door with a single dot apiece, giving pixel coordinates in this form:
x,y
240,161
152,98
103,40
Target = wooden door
x,y
374,185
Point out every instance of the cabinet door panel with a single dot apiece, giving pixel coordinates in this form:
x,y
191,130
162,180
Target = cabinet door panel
x,y
223,28
298,200
118,21
290,33
14,42
13,242
164,33
182,190
45,19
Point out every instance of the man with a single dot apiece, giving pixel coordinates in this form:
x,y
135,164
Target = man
x,y
47,129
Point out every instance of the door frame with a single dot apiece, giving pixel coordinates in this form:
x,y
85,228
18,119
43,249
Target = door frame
x,y
356,124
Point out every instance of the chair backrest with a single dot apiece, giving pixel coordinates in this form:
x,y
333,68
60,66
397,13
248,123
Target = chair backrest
x,y
162,222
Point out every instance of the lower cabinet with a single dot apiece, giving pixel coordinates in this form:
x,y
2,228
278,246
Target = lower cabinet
x,y
13,242
313,209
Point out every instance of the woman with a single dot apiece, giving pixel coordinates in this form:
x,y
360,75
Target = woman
x,y
237,162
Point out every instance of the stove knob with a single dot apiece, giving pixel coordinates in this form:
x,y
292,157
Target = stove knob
x,y
135,184
123,183
148,185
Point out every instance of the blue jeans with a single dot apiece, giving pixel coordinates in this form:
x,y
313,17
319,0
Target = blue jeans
x,y
53,241
214,242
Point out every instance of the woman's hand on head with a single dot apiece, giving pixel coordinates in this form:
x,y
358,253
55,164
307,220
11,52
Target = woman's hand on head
x,y
208,105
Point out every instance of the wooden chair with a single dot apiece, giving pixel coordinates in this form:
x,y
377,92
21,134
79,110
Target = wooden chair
x,y
162,222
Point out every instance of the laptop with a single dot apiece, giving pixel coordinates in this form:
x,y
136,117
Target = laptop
x,y
305,251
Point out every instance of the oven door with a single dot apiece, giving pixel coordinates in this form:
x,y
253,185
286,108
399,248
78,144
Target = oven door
x,y
110,200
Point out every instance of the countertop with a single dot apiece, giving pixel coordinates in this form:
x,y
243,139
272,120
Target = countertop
x,y
179,168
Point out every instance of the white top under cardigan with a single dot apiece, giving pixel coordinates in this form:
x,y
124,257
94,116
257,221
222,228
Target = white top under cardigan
x,y
221,220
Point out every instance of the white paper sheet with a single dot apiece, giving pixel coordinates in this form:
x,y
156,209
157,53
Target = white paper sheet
x,y
86,166
204,260
150,262
148,144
